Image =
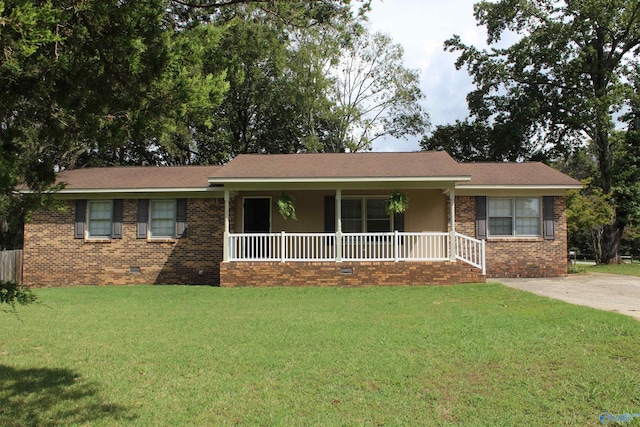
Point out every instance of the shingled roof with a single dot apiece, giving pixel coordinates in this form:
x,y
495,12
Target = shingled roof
x,y
423,164
138,178
316,167
515,174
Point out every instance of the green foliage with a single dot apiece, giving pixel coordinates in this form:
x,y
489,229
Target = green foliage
x,y
287,206
589,212
12,294
478,141
397,202
565,77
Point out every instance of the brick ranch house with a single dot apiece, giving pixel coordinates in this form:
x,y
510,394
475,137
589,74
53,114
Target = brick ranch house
x,y
218,225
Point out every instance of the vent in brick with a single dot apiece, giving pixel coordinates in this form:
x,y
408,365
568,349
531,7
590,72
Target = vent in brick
x,y
134,269
346,270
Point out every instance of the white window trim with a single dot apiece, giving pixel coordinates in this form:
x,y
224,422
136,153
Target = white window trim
x,y
514,234
150,235
87,231
363,219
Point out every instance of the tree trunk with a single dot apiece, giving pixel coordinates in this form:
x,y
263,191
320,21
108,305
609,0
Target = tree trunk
x,y
611,244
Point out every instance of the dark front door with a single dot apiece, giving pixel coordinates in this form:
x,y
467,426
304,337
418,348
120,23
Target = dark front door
x,y
257,215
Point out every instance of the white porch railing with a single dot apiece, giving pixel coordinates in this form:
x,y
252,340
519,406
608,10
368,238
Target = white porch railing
x,y
396,246
282,247
471,251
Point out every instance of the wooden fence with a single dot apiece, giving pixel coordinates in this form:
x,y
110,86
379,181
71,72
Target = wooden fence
x,y
11,266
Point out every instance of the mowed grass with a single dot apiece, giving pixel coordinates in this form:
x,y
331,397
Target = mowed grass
x,y
173,355
629,269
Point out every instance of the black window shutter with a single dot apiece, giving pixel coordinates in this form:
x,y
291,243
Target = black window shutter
x,y
548,217
116,221
329,214
181,218
143,218
81,217
481,217
398,221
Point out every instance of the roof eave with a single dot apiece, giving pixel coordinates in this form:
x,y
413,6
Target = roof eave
x,y
519,187
129,190
289,180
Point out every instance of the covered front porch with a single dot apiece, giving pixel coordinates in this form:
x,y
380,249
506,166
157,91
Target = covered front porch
x,y
345,233
402,256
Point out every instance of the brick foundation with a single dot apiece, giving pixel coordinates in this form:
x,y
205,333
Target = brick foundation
x,y
234,274
52,257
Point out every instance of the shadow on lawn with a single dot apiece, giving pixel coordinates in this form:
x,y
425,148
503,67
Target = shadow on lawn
x,y
52,397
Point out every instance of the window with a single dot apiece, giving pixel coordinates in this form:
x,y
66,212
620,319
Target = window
x,y
514,216
99,218
365,215
162,218
352,215
378,219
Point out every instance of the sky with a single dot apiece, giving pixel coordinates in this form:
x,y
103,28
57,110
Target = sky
x,y
421,27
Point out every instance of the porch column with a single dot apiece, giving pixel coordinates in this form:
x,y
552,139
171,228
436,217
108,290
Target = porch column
x,y
452,225
225,234
338,225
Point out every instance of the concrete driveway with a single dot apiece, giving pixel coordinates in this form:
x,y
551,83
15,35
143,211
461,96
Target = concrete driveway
x,y
610,292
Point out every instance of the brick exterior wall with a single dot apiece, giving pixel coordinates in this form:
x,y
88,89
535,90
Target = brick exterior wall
x,y
235,274
52,257
524,257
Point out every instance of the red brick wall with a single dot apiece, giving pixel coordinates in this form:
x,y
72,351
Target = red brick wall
x,y
52,257
524,257
234,274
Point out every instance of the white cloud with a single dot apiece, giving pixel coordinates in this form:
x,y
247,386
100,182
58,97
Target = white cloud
x,y
422,27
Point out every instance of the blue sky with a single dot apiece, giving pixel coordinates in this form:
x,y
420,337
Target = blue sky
x,y
421,27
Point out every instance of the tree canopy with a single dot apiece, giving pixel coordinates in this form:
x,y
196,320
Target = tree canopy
x,y
561,82
88,83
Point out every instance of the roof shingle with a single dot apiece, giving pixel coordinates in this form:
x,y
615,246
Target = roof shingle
x,y
342,165
137,177
515,174
316,166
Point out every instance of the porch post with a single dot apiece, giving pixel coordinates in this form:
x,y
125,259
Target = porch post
x,y
338,225
225,234
452,225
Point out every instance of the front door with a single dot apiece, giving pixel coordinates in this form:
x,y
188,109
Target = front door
x,y
257,215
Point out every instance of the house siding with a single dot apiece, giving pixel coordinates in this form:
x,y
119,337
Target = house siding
x,y
52,257
524,257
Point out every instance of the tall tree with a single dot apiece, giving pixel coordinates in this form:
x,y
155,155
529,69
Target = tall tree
x,y
474,141
374,94
106,82
567,71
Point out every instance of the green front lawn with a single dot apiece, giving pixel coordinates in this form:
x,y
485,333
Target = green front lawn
x,y
458,355
624,268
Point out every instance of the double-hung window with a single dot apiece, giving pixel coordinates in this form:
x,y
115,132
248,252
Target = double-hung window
x,y
365,215
99,218
520,216
162,218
